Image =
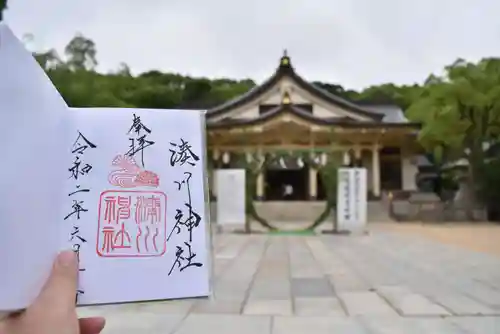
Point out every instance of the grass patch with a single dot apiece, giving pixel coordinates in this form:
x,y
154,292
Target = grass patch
x,y
292,232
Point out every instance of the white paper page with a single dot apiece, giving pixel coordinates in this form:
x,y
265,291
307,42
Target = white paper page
x,y
133,229
32,154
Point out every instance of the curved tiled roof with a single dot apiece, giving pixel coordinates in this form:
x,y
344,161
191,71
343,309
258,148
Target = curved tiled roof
x,y
300,113
392,113
286,69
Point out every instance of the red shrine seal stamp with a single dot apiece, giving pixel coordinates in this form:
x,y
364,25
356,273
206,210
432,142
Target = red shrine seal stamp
x,y
132,223
128,174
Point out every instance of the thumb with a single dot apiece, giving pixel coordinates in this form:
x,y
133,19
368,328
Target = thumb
x,y
59,293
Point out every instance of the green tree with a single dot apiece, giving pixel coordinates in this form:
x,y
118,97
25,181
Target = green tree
x,y
81,53
390,93
490,191
337,90
460,112
3,7
156,89
48,60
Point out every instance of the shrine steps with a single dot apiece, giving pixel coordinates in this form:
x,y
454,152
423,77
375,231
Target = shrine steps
x,y
290,211
308,211
305,212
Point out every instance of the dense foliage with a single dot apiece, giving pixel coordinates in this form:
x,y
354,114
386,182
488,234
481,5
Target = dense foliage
x,y
461,115
3,7
81,85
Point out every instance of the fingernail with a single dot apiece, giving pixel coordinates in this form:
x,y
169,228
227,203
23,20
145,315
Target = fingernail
x,y
67,258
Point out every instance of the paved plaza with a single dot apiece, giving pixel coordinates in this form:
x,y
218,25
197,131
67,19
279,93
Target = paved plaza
x,y
384,282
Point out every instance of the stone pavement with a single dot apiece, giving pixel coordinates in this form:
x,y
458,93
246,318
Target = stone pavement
x,y
481,237
380,283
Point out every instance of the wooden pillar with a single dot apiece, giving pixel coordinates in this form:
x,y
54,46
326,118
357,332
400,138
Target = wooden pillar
x,y
213,175
226,158
249,157
260,179
312,177
313,184
216,154
346,158
357,157
324,159
376,170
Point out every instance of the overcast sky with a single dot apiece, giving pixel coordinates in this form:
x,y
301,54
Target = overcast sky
x,y
356,43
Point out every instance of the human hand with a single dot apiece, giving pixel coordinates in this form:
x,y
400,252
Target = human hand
x,y
54,311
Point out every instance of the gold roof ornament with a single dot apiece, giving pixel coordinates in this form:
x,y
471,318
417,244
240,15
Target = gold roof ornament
x,y
286,98
285,60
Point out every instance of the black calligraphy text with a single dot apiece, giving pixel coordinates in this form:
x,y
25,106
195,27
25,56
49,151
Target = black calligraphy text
x,y
140,140
186,217
78,169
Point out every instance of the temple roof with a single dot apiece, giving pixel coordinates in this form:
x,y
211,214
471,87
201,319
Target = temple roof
x,y
296,111
285,69
392,113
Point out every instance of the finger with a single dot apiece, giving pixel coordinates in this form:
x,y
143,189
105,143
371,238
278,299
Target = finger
x,y
59,292
91,325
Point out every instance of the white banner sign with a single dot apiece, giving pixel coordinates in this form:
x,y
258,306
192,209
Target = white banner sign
x,y
230,185
351,199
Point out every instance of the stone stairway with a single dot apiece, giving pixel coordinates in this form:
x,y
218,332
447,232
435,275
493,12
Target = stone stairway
x,y
288,211
378,212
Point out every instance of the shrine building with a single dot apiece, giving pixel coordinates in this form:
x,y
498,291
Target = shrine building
x,y
286,113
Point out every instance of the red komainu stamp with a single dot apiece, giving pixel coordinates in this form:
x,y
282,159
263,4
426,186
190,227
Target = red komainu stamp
x,y
132,223
128,174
